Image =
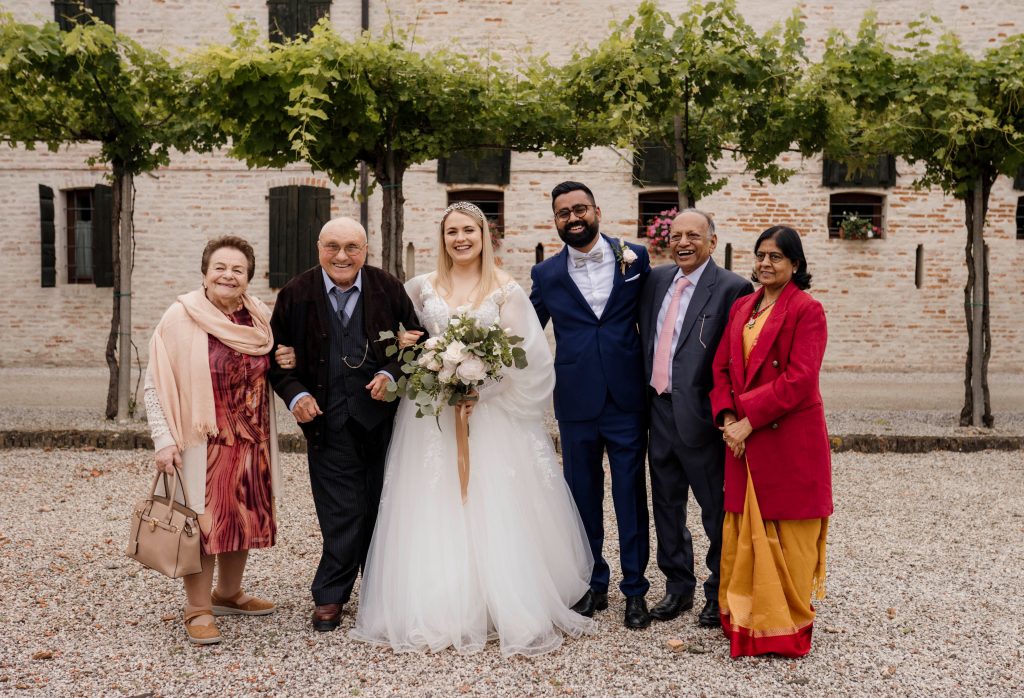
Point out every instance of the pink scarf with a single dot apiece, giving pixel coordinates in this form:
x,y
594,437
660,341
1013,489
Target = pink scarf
x,y
180,365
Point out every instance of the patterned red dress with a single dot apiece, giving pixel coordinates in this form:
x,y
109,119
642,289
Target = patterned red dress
x,y
238,492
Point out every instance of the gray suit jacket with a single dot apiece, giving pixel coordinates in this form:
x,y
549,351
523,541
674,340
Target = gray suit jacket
x,y
703,324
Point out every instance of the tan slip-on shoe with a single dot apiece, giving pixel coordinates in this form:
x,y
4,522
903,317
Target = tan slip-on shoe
x,y
230,607
201,634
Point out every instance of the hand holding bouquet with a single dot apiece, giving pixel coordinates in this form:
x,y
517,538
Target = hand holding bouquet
x,y
448,368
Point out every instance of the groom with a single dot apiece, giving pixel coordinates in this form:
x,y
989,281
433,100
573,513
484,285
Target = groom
x,y
590,291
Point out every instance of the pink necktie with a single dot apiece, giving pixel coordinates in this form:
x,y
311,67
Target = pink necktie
x,y
663,352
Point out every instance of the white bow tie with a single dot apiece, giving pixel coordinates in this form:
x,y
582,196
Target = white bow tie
x,y
579,260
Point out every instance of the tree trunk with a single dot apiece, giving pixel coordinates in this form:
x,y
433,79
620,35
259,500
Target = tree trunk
x,y
390,171
115,318
685,201
119,341
977,409
125,405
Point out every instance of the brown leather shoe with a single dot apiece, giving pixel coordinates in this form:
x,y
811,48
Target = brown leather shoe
x,y
327,617
223,606
201,634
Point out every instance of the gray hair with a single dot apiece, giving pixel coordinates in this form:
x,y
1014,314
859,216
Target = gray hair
x,y
707,216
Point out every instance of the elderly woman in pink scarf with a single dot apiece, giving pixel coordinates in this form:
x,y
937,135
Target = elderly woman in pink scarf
x,y
211,415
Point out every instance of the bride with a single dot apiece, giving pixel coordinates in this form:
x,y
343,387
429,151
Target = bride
x,y
508,563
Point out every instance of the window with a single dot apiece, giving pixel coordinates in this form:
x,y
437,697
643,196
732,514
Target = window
x,y
69,13
89,235
79,227
482,166
492,203
1018,180
654,165
652,204
1020,218
865,207
290,19
880,173
297,213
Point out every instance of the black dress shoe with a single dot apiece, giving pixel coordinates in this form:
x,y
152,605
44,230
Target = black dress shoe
x,y
327,617
709,615
637,616
592,601
671,606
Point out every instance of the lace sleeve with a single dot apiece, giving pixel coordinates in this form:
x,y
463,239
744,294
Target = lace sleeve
x,y
158,428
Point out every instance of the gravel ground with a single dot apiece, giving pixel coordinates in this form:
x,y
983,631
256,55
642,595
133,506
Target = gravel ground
x,y
911,404
924,599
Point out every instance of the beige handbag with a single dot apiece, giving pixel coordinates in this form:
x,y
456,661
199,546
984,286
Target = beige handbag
x,y
164,535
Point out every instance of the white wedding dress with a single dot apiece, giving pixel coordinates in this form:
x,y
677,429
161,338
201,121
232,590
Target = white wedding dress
x,y
508,563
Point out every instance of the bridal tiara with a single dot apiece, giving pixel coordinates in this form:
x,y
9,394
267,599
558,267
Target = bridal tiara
x,y
467,207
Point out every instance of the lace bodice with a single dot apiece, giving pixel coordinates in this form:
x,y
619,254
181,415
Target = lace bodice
x,y
435,313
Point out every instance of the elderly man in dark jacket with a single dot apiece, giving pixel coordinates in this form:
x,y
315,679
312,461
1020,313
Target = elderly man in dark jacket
x,y
335,387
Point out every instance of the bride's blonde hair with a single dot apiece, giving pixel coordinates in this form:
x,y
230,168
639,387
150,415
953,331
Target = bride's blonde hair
x,y
489,280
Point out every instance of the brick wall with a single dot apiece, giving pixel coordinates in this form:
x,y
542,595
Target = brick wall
x,y
877,317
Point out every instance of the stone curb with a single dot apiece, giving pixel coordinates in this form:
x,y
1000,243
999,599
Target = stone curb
x,y
295,443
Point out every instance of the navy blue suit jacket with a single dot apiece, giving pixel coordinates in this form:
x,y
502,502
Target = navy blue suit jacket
x,y
596,358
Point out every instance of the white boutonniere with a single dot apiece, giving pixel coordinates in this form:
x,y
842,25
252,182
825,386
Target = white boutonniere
x,y
625,256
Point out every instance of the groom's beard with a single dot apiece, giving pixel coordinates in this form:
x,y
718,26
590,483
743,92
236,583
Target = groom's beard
x,y
580,238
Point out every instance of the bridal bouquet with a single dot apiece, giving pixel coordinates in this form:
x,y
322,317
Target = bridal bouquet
x,y
446,369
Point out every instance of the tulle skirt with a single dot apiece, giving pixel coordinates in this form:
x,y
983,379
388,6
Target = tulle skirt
x,y
506,565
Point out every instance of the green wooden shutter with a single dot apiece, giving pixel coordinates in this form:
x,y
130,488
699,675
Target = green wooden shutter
x,y
105,10
281,20
314,10
881,173
314,211
654,165
69,13
283,221
47,238
103,236
1018,180
480,166
297,213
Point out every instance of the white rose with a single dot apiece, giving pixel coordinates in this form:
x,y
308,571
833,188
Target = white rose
x,y
445,374
429,361
628,256
455,353
431,343
472,369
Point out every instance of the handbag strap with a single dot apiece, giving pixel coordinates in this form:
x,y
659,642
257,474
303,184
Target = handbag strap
x,y
170,490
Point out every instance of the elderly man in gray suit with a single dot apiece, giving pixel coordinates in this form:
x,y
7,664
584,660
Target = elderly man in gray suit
x,y
683,311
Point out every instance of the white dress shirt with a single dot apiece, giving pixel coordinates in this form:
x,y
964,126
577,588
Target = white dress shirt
x,y
594,279
684,303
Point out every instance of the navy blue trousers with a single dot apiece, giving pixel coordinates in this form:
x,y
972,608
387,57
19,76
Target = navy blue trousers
x,y
624,436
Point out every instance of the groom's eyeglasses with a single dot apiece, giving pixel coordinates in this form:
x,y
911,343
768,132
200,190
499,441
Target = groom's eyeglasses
x,y
579,210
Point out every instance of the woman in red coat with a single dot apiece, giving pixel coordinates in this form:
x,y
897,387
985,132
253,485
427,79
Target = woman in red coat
x,y
778,471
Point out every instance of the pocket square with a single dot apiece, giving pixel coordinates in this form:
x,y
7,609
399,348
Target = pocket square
x,y
632,279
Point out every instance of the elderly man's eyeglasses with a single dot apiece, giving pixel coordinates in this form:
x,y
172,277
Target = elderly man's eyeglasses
x,y
351,250
579,210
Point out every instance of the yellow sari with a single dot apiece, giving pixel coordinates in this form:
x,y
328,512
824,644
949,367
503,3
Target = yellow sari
x,y
769,570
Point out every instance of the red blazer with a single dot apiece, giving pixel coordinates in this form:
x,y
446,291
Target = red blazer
x,y
788,452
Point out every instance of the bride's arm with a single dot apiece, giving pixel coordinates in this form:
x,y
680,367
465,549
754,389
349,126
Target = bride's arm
x,y
524,392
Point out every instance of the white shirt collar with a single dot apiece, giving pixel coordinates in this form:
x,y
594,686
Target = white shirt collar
x,y
694,277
